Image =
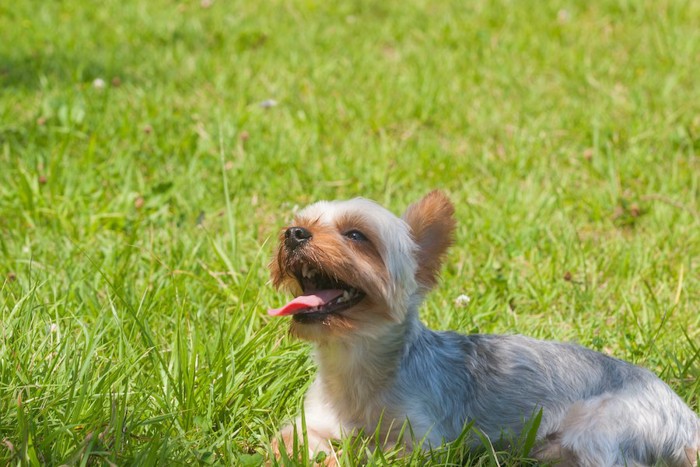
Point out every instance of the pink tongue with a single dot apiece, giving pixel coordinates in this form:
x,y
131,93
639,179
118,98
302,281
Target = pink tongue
x,y
303,302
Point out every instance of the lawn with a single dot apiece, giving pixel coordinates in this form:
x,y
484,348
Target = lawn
x,y
151,151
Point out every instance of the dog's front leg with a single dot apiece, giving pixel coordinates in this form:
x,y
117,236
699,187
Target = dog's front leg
x,y
315,443
322,426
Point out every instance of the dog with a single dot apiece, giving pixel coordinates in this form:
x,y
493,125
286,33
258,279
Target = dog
x,y
359,274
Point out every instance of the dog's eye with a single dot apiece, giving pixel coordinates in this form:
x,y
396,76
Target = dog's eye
x,y
356,235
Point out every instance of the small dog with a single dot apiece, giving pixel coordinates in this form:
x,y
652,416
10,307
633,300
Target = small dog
x,y
359,274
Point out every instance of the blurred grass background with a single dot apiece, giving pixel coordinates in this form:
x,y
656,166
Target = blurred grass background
x,y
150,151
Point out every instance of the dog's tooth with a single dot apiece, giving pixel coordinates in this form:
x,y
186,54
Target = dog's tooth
x,y
305,270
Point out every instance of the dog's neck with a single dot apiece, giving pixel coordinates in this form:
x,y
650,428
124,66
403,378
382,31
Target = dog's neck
x,y
355,373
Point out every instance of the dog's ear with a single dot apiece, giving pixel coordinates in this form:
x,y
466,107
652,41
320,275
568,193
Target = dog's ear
x,y
432,225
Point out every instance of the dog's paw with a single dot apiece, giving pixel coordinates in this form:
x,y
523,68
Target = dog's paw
x,y
289,445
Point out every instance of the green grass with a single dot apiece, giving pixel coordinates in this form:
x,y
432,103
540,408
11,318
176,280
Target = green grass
x,y
137,218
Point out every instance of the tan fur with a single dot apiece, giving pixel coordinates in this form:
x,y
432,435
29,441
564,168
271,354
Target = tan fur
x,y
368,250
692,454
432,224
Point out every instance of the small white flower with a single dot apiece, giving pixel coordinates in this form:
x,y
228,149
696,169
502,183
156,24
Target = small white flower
x,y
462,301
267,103
99,83
563,16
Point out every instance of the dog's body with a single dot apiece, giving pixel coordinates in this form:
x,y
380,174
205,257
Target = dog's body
x,y
360,274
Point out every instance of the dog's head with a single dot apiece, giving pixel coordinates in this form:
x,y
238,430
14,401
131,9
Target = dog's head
x,y
354,267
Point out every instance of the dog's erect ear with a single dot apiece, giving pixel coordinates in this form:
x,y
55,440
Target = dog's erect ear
x,y
432,225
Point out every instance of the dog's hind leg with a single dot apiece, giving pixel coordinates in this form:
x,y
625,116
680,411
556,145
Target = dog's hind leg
x,y
625,429
550,451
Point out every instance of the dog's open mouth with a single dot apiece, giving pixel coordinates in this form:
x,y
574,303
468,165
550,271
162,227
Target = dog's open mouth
x,y
321,295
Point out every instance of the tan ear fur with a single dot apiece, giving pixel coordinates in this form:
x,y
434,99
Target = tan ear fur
x,y
432,225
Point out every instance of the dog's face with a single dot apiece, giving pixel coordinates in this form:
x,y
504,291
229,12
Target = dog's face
x,y
355,267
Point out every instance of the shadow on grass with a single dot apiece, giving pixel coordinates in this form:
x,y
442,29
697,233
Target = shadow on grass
x,y
27,72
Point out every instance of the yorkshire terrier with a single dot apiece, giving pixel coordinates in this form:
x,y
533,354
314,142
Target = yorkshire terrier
x,y
359,275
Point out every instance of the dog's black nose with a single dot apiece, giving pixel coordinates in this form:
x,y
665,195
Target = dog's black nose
x,y
294,237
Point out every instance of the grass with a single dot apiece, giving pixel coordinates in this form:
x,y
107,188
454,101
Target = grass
x,y
142,184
